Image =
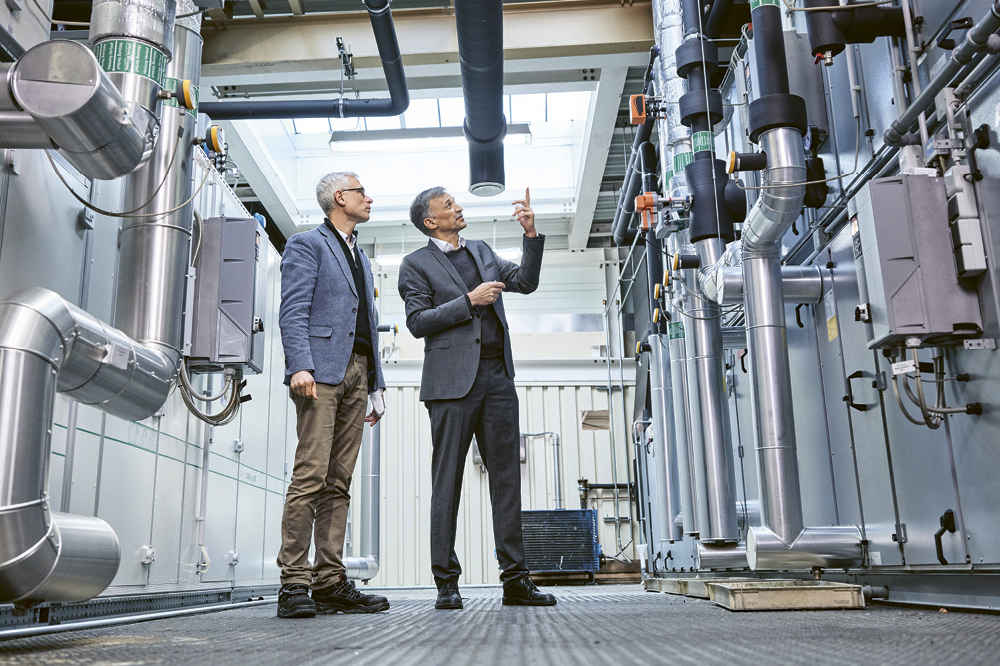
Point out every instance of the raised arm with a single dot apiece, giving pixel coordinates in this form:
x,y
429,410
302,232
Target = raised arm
x,y
523,278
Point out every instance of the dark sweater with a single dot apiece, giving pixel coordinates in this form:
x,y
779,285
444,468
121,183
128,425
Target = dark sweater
x,y
492,328
362,327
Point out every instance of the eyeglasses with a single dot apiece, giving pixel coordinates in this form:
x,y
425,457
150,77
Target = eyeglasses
x,y
354,189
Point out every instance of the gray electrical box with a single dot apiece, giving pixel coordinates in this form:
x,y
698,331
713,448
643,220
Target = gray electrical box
x,y
906,270
227,327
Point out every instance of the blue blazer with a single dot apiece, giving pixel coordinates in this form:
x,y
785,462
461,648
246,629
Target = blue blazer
x,y
318,310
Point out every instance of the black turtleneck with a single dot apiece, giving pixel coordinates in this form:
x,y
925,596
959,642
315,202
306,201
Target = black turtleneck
x,y
492,328
362,327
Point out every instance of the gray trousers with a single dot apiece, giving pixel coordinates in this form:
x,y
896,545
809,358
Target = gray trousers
x,y
490,412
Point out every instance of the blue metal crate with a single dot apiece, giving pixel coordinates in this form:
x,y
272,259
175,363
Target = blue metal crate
x,y
561,541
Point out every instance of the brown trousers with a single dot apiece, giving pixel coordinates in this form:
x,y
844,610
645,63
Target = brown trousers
x,y
329,432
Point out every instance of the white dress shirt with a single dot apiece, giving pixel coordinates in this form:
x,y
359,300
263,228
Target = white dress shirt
x,y
446,247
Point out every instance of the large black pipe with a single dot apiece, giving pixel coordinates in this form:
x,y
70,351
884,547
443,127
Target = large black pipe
x,y
344,107
480,50
626,201
717,18
774,106
769,51
630,188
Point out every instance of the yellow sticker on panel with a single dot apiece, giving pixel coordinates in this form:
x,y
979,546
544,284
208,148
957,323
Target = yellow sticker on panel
x,y
830,306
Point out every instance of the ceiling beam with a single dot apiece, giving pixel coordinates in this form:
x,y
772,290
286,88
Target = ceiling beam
x,y
531,30
258,9
600,130
298,7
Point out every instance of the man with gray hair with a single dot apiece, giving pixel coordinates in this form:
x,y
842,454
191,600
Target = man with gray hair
x,y
452,292
328,331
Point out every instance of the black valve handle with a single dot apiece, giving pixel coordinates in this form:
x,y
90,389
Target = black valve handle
x,y
849,398
798,316
947,525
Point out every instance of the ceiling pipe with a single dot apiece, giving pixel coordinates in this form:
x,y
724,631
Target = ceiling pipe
x,y
480,50
342,107
782,541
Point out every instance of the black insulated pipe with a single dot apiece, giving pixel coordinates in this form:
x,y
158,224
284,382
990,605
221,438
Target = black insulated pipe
x,y
480,50
626,202
343,107
717,18
775,107
769,51
630,188
831,31
648,164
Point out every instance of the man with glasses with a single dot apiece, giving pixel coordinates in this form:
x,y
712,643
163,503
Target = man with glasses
x,y
328,331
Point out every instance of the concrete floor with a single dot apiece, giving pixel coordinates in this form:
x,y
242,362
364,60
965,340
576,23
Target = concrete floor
x,y
591,625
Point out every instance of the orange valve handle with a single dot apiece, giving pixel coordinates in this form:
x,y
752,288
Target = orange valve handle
x,y
637,109
656,315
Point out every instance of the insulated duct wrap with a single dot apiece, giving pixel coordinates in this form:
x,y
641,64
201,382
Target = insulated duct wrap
x,y
62,86
149,20
671,132
154,250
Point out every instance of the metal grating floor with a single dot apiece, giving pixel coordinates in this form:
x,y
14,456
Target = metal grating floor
x,y
591,625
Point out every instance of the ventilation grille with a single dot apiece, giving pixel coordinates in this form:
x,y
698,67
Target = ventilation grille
x,y
564,540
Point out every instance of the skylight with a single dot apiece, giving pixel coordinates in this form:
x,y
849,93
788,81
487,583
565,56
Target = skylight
x,y
395,159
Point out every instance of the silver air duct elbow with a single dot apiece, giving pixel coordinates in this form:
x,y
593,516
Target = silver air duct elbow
x,y
783,541
61,85
100,108
780,202
48,345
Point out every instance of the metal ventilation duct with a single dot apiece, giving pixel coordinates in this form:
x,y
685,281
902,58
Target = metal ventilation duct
x,y
480,50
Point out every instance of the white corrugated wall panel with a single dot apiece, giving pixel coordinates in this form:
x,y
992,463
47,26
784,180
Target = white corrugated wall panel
x,y
406,480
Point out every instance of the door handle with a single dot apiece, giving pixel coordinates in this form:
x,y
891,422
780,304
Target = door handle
x,y
849,398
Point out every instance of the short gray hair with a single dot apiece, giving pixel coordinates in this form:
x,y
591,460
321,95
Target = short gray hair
x,y
328,187
421,207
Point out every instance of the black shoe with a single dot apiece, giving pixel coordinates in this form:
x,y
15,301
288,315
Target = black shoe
x,y
294,601
344,597
522,592
448,596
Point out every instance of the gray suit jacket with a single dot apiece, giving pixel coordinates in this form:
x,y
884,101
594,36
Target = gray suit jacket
x,y
318,311
437,310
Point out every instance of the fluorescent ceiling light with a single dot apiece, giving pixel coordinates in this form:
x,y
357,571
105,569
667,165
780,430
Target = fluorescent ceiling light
x,y
421,138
